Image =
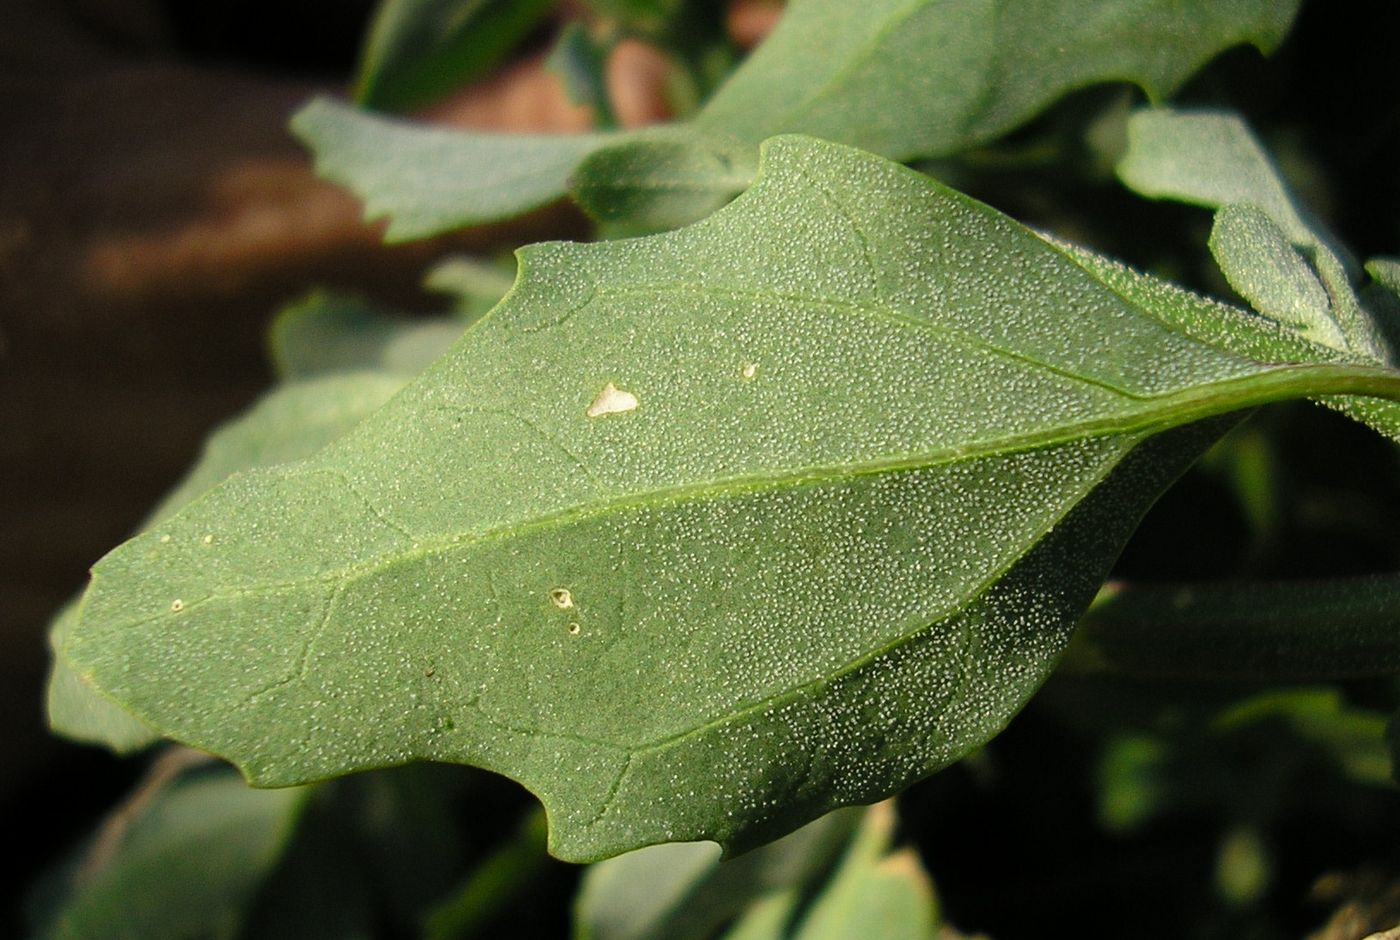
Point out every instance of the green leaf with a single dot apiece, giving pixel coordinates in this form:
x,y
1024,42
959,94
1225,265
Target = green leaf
x,y
328,333
1212,159
682,891
327,340
697,536
476,284
581,62
186,866
874,894
661,179
1258,260
930,77
78,711
418,50
292,422
903,78
427,180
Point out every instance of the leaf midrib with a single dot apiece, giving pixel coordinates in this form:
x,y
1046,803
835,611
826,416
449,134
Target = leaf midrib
x,y
1176,409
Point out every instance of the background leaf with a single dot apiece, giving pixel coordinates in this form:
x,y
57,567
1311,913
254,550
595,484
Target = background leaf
x,y
889,500
417,50
185,866
427,180
682,891
903,79
1212,159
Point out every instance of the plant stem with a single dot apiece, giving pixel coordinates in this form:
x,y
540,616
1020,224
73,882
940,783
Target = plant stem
x,y
1346,628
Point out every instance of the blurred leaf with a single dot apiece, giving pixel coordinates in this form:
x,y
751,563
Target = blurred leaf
x,y
1262,631
661,179
1353,737
1131,780
1243,866
902,79
476,285
873,894
419,50
329,333
792,888
768,918
371,850
185,866
581,62
497,883
682,891
427,180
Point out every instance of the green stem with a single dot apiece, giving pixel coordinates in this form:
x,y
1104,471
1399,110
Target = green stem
x,y
494,885
1345,628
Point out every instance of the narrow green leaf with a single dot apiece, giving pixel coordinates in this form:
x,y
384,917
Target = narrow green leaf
x,y
418,50
682,891
186,866
919,78
816,528
903,78
428,180
581,63
1258,260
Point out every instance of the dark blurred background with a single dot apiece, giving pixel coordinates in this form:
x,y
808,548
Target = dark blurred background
x,y
154,213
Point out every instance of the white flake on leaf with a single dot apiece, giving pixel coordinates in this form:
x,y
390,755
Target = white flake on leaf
x,y
612,401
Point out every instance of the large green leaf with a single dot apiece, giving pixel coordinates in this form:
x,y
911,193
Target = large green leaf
x,y
903,78
697,536
419,49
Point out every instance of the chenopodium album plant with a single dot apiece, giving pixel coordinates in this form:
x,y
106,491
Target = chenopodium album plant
x,y
704,534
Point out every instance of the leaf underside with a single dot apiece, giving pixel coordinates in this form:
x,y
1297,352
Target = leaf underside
x,y
697,536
